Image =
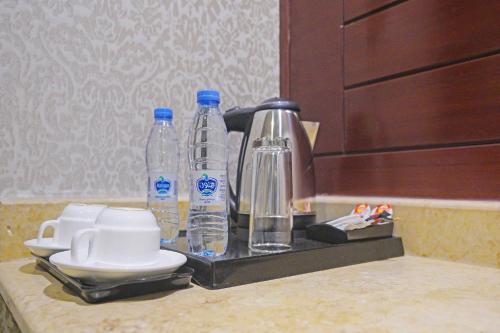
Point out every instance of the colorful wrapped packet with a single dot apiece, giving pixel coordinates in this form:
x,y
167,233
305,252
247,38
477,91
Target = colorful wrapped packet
x,y
362,216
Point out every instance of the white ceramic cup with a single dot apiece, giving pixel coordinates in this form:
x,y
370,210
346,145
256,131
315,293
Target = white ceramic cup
x,y
75,216
121,236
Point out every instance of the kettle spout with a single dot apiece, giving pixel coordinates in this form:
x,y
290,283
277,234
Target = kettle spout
x,y
312,128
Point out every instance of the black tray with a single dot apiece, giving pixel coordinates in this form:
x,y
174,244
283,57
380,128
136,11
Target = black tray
x,y
238,266
324,232
119,290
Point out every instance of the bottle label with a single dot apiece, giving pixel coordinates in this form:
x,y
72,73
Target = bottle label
x,y
209,187
163,187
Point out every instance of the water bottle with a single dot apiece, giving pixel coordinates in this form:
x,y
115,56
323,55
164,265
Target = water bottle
x,y
207,230
162,162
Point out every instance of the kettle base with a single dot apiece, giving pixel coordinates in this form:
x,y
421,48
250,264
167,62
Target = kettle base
x,y
242,234
300,220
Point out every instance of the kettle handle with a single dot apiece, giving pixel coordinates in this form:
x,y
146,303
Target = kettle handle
x,y
237,120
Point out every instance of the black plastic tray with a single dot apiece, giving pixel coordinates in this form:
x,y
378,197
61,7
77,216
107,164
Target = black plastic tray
x,y
119,290
324,232
239,266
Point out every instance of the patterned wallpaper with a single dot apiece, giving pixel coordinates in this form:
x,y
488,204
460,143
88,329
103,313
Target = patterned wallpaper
x,y
79,80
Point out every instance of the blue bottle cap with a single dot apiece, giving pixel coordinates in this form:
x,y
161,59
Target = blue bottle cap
x,y
208,97
163,114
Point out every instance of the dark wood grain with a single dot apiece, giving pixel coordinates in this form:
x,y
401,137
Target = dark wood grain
x,y
417,34
355,8
419,74
454,104
457,173
285,48
316,68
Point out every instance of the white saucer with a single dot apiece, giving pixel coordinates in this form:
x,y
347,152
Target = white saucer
x,y
46,247
97,272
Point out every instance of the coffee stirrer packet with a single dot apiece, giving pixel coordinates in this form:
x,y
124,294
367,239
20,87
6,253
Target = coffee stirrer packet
x,y
362,216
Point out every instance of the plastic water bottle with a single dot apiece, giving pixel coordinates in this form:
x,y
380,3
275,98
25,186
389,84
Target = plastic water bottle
x,y
162,162
207,230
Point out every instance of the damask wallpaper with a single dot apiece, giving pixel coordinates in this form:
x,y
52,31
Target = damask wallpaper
x,y
79,80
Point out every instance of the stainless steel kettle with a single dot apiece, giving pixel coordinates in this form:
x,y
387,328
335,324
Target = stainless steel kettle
x,y
275,117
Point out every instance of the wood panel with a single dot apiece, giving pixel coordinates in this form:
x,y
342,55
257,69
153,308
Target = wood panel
x,y
417,34
458,173
285,62
454,104
316,67
355,8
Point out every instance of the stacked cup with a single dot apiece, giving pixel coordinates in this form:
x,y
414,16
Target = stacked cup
x,y
120,236
73,218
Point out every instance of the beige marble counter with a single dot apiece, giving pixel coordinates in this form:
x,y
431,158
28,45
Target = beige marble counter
x,y
406,294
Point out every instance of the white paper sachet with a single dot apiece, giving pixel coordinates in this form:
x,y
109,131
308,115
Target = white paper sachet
x,y
362,216
349,222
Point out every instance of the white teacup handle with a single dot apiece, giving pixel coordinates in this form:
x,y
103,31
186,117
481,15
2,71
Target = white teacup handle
x,y
50,223
76,243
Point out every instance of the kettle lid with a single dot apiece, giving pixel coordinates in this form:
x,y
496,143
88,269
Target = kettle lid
x,y
278,103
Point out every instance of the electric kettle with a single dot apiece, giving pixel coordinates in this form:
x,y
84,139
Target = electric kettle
x,y
275,117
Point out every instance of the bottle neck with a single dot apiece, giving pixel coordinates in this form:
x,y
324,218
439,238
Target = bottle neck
x,y
163,122
205,107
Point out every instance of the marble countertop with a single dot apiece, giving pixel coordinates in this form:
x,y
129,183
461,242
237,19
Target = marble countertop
x,y
405,294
